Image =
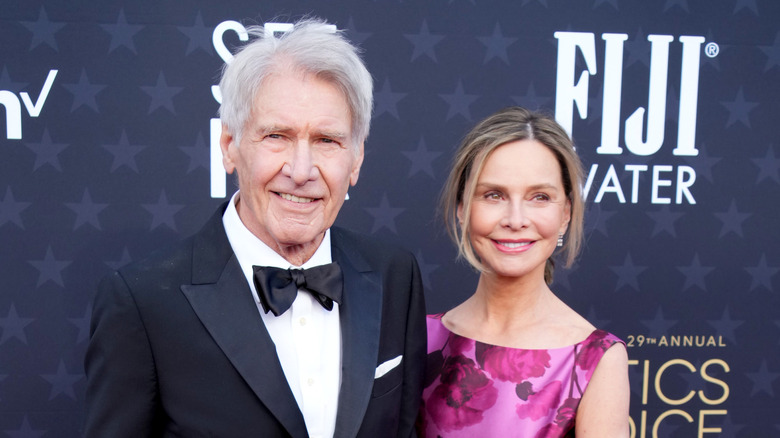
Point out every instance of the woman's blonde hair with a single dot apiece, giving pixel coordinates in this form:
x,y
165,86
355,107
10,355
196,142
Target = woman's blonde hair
x,y
506,126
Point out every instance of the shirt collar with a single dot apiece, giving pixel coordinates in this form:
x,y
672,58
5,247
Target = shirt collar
x,y
250,250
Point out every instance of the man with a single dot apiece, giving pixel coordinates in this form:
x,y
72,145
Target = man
x,y
186,343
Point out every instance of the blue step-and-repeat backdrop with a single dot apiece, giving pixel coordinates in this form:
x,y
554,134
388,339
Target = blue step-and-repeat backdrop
x,y
107,141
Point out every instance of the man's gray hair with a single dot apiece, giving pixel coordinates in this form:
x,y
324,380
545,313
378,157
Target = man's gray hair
x,y
312,47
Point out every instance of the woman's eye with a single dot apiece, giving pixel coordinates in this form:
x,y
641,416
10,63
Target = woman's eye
x,y
493,196
541,197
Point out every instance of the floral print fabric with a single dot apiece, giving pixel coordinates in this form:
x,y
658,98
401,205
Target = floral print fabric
x,y
474,389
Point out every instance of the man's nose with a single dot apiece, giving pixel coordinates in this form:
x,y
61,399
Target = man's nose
x,y
300,165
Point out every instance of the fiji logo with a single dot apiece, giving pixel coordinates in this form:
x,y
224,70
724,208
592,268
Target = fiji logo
x,y
644,128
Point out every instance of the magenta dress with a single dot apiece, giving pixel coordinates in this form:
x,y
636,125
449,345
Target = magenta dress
x,y
480,390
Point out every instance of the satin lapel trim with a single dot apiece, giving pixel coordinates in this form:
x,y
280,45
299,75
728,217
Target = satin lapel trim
x,y
228,312
360,312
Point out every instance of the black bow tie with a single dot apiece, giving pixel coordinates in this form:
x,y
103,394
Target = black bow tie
x,y
278,287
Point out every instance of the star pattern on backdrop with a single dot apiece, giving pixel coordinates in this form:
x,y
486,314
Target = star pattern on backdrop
x,y
163,212
62,382
198,153
50,268
772,54
43,30
659,325
124,153
47,152
664,221
86,211
11,209
541,2
459,102
424,42
763,380
695,273
384,215
739,109
637,49
682,4
628,274
729,429
122,33
198,36
421,159
732,220
531,100
496,45
162,94
750,5
703,163
7,84
596,219
762,274
386,101
768,166
13,326
725,326
82,324
25,430
355,35
84,93
612,3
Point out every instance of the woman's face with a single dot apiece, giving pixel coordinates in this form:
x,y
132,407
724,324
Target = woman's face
x,y
518,210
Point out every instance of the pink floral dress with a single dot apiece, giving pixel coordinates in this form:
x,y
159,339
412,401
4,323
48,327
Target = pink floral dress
x,y
480,390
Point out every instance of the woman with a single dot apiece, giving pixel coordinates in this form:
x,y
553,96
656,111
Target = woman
x,y
514,360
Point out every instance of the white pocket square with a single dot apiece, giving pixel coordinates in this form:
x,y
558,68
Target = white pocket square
x,y
385,367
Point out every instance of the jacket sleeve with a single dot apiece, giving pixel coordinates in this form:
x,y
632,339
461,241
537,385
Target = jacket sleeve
x,y
121,394
414,354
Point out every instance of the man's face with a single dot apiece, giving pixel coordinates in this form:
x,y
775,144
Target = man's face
x,y
295,162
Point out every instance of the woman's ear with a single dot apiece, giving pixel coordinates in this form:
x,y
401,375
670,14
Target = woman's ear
x,y
566,217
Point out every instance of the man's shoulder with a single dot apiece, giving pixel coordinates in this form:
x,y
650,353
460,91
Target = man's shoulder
x,y
179,256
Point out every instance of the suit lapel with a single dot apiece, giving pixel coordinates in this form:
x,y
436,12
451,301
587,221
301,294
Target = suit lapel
x,y
360,312
223,301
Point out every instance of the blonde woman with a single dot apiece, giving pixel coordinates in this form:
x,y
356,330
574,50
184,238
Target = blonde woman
x,y
513,360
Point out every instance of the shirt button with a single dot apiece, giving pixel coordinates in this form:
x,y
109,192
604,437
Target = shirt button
x,y
310,381
302,321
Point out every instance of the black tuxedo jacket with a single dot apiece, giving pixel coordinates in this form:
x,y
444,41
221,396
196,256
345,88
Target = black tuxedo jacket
x,y
177,347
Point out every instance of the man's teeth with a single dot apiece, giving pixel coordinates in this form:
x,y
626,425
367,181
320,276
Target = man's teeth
x,y
514,244
294,198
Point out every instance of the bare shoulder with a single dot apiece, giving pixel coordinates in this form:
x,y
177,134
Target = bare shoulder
x,y
603,411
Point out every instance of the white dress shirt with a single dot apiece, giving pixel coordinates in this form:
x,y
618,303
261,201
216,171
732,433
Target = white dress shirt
x,y
307,337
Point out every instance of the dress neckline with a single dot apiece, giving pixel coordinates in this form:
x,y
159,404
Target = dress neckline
x,y
596,333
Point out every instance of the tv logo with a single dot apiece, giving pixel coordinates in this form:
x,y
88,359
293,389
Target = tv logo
x,y
13,109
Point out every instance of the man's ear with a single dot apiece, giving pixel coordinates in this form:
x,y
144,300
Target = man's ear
x,y
228,147
353,176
